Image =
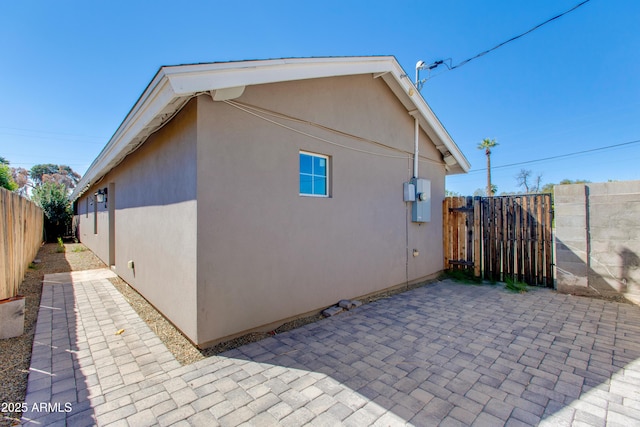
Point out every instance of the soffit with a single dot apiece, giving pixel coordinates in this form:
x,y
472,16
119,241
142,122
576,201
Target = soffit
x,y
174,86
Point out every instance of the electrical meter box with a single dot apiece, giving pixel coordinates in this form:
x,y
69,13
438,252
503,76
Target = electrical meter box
x,y
421,209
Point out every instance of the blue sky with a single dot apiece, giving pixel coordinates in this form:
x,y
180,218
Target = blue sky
x,y
70,71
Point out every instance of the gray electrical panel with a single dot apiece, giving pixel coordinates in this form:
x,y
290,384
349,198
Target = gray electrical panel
x,y
421,207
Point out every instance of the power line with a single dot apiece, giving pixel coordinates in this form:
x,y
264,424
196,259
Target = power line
x,y
466,61
560,156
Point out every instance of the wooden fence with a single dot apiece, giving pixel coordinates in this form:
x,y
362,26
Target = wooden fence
x,y
20,238
500,237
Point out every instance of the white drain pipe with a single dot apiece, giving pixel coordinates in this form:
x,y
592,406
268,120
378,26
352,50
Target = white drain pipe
x,y
414,113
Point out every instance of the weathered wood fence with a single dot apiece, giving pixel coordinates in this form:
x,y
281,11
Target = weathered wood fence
x,y
20,238
500,237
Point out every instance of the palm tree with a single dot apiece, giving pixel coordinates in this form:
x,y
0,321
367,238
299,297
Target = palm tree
x,y
486,145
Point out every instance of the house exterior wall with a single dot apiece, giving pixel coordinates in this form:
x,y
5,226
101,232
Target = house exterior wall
x,y
154,220
265,253
598,239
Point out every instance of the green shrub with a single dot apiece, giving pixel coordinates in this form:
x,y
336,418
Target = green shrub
x,y
61,247
53,199
6,180
515,286
463,276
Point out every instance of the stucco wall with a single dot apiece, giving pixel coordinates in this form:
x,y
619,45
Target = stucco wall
x,y
154,191
265,253
598,238
92,224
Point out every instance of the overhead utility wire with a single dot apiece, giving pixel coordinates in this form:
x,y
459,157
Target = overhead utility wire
x,y
560,156
466,61
310,123
248,109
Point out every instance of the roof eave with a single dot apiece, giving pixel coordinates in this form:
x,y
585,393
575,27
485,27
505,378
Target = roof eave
x,y
172,87
411,98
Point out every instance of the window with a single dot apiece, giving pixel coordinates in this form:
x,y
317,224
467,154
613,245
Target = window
x,y
314,176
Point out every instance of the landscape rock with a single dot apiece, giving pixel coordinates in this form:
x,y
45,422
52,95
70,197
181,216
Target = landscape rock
x,y
346,304
332,311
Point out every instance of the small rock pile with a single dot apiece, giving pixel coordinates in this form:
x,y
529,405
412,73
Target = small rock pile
x,y
341,306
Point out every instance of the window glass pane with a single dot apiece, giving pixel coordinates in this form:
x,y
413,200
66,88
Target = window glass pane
x,y
306,184
320,166
320,185
306,163
314,170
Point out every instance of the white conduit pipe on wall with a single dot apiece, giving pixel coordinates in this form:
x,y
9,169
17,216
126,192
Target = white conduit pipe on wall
x,y
415,146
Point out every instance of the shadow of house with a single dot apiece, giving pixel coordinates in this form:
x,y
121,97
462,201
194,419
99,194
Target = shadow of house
x,y
598,239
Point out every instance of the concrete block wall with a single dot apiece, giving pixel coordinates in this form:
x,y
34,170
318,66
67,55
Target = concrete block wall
x,y
598,239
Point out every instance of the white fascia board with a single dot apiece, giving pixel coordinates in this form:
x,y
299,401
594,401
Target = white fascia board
x,y
410,97
189,79
155,103
173,86
179,83
436,127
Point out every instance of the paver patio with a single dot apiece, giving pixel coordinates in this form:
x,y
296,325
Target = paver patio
x,y
445,354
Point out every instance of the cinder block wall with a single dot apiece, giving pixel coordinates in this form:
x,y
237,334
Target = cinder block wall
x,y
598,239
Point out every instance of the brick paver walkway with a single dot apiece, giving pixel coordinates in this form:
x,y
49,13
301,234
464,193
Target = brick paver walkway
x,y
445,354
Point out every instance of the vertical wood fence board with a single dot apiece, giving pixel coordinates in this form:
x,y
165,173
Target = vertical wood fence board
x,y
445,231
539,241
504,237
506,262
469,227
454,230
500,237
498,242
462,222
486,232
20,238
4,237
477,242
512,238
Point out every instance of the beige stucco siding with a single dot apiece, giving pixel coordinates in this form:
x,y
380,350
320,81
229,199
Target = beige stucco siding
x,y
92,221
155,220
265,253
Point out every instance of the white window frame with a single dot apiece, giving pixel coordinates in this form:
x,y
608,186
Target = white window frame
x,y
327,176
